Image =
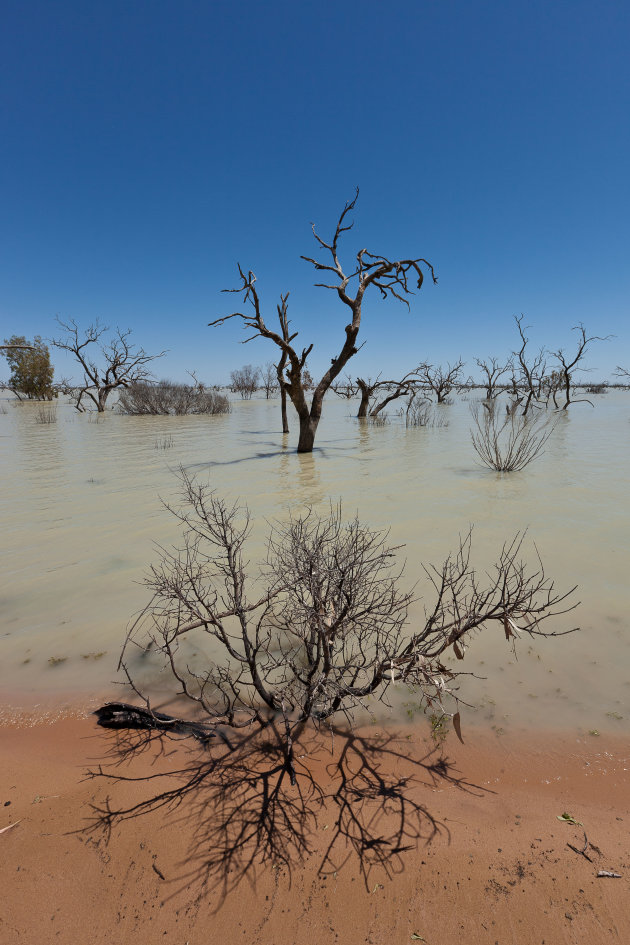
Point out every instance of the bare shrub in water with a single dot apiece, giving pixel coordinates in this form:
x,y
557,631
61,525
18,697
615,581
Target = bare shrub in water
x,y
46,414
420,413
323,628
245,381
168,398
508,441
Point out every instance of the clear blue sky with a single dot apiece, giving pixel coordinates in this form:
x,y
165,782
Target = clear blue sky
x,y
149,146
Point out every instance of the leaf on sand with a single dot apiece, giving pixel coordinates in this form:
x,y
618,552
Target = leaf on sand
x,y
570,819
4,829
457,725
417,938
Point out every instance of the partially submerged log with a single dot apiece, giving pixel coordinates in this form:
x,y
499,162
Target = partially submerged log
x,y
123,715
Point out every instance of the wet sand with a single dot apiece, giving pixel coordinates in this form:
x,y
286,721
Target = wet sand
x,y
471,847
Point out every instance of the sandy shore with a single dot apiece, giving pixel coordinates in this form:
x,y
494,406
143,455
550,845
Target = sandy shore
x,y
412,842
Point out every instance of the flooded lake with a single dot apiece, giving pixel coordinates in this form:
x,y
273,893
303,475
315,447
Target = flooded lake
x,y
81,514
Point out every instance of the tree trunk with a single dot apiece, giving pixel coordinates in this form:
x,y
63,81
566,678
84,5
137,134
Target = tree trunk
x,y
283,409
567,390
308,429
365,400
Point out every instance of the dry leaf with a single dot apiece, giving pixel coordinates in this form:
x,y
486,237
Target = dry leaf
x,y
4,829
458,727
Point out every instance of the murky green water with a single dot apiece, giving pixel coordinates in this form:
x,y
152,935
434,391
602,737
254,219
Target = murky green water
x,y
81,512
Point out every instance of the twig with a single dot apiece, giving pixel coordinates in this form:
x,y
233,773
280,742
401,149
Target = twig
x,y
582,852
603,873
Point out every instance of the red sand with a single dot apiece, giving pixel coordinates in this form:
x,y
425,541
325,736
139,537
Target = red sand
x,y
497,868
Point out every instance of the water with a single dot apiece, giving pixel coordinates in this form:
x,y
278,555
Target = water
x,y
81,513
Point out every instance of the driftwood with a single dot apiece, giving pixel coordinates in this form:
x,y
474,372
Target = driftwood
x,y
582,852
123,715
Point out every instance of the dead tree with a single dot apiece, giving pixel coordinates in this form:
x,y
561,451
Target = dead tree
x,y
244,381
390,277
367,389
493,370
392,390
441,381
550,386
324,627
107,366
283,318
531,374
345,388
269,379
569,366
623,374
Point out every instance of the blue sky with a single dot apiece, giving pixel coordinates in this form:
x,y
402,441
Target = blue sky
x,y
149,146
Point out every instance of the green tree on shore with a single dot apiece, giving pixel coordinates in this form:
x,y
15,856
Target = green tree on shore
x,y
31,368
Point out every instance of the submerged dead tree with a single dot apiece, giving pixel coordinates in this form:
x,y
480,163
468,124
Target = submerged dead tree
x,y
569,365
283,318
390,277
493,370
441,380
535,383
391,389
530,372
326,626
345,388
622,373
106,366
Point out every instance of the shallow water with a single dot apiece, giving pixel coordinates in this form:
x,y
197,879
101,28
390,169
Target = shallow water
x,y
81,512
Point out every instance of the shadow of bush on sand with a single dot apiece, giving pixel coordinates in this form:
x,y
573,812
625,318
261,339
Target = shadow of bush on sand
x,y
236,802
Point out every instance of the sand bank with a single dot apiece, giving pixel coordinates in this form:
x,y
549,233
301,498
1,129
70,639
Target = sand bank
x,y
443,845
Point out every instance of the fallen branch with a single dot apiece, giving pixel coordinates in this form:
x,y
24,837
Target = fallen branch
x,y
123,715
582,852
